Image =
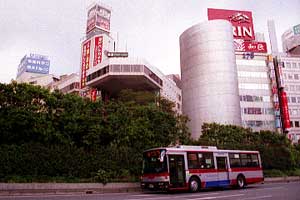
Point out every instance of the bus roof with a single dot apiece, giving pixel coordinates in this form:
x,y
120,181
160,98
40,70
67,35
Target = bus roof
x,y
183,148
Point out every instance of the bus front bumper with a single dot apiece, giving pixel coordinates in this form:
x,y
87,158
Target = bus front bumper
x,y
155,185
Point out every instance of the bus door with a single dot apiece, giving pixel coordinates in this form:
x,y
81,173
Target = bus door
x,y
177,171
223,173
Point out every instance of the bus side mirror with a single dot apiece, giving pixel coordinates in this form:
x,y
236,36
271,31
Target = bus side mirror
x,y
162,156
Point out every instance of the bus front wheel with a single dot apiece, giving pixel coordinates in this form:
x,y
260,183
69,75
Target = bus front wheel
x,y
194,184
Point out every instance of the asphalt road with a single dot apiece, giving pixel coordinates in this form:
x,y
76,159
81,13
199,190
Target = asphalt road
x,y
272,191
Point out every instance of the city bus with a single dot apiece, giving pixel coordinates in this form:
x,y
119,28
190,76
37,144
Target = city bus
x,y
196,167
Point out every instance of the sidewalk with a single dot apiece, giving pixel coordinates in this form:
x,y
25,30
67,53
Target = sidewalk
x,y
59,188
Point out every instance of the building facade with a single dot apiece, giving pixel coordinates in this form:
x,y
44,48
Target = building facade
x,y
67,84
105,71
209,75
34,69
291,78
257,108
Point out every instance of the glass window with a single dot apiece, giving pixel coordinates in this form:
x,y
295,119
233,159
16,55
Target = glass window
x,y
291,123
245,160
298,99
292,88
294,111
294,65
293,99
193,161
296,76
297,87
234,160
254,160
126,68
200,160
288,65
296,123
206,160
290,76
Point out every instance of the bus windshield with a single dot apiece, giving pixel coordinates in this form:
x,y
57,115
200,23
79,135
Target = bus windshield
x,y
154,162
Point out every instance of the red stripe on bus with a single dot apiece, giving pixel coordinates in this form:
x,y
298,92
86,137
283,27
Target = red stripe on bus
x,y
240,169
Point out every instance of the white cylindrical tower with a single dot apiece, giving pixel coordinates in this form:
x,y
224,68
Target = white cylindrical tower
x,y
209,75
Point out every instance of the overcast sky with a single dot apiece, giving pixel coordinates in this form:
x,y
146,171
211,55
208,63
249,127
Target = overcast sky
x,y
149,28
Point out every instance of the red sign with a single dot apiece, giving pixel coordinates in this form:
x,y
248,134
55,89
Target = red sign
x,y
91,23
98,50
93,94
241,21
259,47
247,46
285,110
85,62
103,23
98,17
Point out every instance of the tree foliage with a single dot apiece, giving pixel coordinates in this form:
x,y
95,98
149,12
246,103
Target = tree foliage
x,y
52,134
276,150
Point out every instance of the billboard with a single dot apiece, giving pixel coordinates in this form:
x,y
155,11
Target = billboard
x,y
115,54
285,110
35,63
98,17
248,46
85,62
241,21
98,49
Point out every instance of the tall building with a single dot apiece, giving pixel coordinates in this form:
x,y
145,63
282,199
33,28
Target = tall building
x,y
255,92
245,70
273,37
209,75
105,71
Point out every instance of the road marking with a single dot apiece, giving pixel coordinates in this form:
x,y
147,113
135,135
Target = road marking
x,y
261,197
270,188
218,197
168,196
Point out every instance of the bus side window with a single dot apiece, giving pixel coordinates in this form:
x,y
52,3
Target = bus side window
x,y
246,159
193,162
254,160
206,160
234,160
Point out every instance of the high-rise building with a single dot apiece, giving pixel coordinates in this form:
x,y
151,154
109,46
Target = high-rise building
x,y
209,75
105,71
286,88
205,67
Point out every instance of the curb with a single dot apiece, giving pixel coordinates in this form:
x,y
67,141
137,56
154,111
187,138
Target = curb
x,y
91,188
282,179
62,188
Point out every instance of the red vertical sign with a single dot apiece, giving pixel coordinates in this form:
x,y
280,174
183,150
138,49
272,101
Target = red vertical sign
x,y
285,110
98,50
85,62
93,95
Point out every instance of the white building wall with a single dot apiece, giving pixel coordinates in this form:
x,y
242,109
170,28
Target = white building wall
x,y
257,108
291,77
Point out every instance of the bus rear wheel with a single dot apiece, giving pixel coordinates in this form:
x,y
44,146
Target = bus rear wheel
x,y
240,182
194,184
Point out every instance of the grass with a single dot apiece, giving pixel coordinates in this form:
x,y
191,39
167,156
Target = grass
x,y
278,173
